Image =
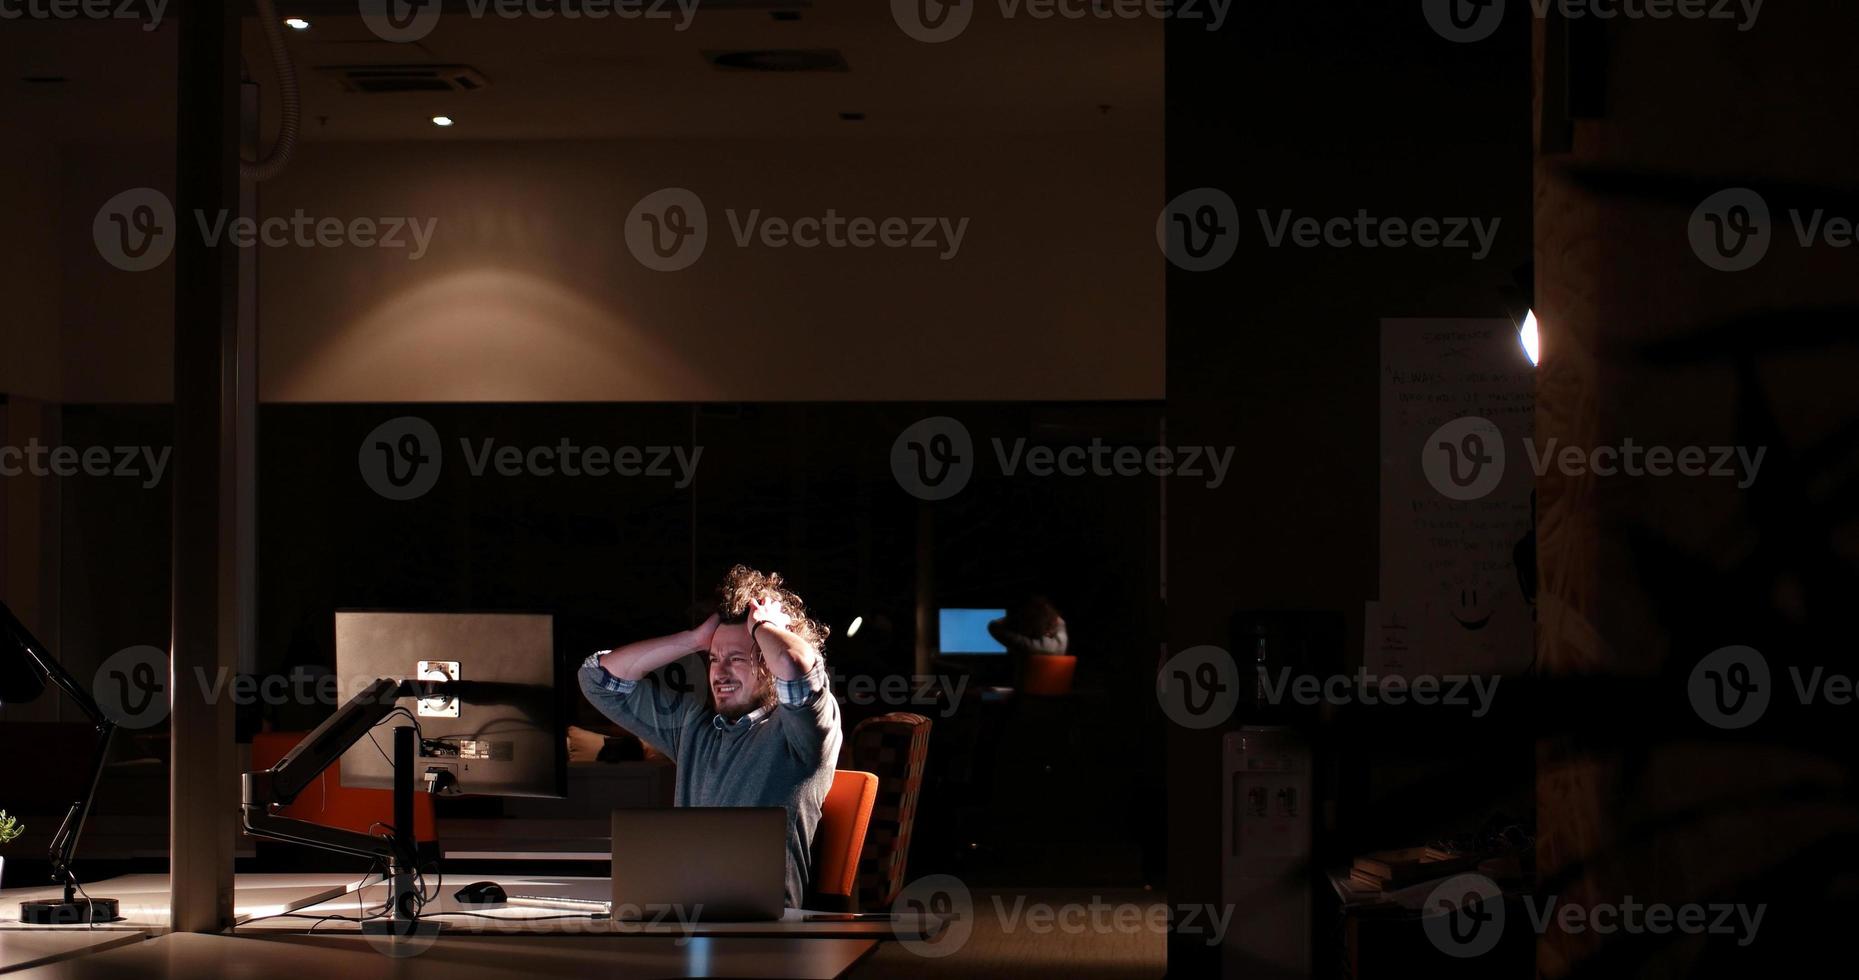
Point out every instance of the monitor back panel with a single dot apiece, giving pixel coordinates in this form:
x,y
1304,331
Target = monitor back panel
x,y
505,738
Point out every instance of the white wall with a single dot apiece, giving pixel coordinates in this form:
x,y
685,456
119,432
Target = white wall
x,y
528,292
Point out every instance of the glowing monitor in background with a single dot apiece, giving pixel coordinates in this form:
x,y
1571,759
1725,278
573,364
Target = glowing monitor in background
x,y
965,631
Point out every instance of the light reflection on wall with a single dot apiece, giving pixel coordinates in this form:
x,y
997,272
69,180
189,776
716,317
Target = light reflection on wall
x,y
490,334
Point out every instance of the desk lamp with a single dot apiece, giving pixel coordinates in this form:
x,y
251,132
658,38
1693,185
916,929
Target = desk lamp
x,y
25,666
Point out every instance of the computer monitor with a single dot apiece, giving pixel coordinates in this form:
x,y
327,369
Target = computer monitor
x,y
965,631
502,736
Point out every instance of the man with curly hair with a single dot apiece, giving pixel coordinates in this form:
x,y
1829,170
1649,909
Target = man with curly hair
x,y
765,729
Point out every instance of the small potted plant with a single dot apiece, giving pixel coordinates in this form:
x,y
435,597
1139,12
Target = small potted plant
x,y
9,829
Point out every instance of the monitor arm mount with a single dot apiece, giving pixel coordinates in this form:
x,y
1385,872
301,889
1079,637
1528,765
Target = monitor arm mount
x,y
262,792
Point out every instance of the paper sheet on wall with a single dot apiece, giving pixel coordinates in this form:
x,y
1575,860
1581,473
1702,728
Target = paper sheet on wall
x,y
1457,403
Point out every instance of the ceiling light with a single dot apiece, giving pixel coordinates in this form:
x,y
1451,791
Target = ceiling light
x,y
852,630
442,120
296,23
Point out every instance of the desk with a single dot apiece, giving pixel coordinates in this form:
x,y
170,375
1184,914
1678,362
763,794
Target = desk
x,y
186,956
25,948
1383,934
508,941
507,920
257,898
143,899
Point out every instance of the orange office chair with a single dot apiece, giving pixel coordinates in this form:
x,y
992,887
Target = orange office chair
x,y
1049,675
326,801
839,838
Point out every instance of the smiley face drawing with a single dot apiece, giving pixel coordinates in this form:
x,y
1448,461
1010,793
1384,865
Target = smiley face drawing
x,y
1472,610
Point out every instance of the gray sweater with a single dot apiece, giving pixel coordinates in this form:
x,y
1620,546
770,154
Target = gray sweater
x,y
781,756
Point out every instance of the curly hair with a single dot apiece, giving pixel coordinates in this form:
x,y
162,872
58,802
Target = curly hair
x,y
743,583
733,594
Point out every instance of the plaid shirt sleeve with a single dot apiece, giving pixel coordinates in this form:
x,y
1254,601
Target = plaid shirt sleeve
x,y
800,692
656,708
602,679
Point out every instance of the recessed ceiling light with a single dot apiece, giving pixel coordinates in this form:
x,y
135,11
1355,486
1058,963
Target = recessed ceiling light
x,y
296,23
442,120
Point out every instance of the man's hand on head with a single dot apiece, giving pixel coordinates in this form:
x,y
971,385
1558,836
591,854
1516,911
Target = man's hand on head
x,y
634,661
787,655
769,611
701,634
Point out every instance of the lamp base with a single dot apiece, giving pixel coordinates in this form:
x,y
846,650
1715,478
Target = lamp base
x,y
54,912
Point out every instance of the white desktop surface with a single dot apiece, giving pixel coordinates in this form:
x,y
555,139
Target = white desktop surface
x,y
24,948
143,899
186,956
529,919
257,897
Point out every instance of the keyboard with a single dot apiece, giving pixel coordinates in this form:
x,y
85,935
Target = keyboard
x,y
600,906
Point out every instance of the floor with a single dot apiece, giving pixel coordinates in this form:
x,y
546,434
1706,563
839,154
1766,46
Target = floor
x,y
1010,939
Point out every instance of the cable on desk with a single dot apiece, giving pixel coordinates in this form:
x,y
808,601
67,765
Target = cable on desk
x,y
360,908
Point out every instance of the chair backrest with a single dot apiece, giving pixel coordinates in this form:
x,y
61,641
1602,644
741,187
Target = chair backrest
x,y
896,747
840,837
326,801
1049,675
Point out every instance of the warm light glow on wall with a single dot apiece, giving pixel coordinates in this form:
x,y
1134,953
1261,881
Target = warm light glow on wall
x,y
488,334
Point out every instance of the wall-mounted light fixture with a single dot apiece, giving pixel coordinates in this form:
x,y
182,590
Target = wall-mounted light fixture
x,y
1526,334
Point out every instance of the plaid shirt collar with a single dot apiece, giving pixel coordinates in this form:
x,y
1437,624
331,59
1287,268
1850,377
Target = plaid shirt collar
x,y
797,693
744,723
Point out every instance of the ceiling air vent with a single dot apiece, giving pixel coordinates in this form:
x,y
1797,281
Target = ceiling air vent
x,y
382,79
814,59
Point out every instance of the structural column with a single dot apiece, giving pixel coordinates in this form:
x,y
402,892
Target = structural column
x,y
202,791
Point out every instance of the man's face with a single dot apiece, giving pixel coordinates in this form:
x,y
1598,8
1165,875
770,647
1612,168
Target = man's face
x,y
735,683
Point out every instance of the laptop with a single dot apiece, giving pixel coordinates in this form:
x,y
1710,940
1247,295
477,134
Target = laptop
x,y
700,864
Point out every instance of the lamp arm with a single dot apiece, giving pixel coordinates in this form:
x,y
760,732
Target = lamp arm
x,y
64,842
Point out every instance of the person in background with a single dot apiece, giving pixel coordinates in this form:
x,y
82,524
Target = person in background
x,y
1032,627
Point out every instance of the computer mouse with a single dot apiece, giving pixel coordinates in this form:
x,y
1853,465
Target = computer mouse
x,y
481,893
